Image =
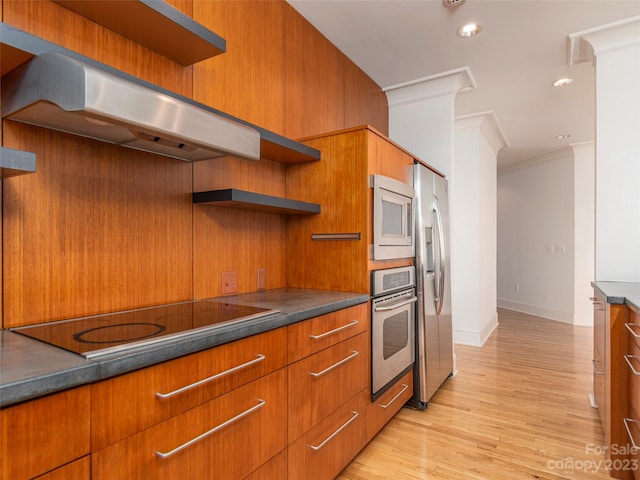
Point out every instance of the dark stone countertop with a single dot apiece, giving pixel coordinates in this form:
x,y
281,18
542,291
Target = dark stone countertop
x,y
30,368
623,293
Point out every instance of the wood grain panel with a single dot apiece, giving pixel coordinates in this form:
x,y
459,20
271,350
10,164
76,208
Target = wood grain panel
x,y
262,434
301,344
388,404
364,101
617,387
138,389
276,468
78,470
313,398
241,241
248,80
42,434
326,463
314,96
98,228
61,26
339,183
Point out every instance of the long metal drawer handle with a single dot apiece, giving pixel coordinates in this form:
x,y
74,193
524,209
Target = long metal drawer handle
x,y
318,374
631,326
330,437
595,370
335,330
634,445
395,305
213,430
628,359
258,359
387,405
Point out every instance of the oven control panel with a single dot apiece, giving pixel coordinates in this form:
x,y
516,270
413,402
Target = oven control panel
x,y
392,279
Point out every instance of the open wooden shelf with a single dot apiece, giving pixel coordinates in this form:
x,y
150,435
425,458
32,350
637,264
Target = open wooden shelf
x,y
235,198
154,24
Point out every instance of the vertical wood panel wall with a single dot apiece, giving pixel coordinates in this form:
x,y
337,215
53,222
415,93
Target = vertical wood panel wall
x,y
100,228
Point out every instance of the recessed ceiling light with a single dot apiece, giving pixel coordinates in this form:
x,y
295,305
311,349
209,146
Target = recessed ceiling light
x,y
469,30
562,82
563,137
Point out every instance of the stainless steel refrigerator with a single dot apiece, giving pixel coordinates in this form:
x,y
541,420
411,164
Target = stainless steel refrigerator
x,y
434,335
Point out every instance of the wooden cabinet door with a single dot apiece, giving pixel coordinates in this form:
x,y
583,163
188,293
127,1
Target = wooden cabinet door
x,y
311,336
325,450
247,425
388,404
319,384
43,434
129,403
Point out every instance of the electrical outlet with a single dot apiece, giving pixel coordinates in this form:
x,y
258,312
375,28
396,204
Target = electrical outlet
x,y
560,248
229,283
262,279
516,287
548,248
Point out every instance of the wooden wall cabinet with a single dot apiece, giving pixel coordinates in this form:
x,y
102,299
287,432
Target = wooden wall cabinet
x,y
41,435
340,183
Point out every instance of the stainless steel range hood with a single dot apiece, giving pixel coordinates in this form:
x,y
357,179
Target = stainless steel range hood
x,y
62,93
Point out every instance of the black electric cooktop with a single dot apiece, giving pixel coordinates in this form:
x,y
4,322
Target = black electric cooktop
x,y
110,333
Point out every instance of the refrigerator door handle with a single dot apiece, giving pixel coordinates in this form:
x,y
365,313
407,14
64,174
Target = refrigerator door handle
x,y
440,260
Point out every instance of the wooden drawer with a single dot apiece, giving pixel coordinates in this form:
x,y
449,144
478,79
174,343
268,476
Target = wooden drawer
x,y
388,404
274,469
321,383
78,470
326,449
127,404
40,435
311,336
232,452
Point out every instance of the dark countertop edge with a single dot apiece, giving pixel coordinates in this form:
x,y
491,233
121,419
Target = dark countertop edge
x,y
118,364
620,293
30,388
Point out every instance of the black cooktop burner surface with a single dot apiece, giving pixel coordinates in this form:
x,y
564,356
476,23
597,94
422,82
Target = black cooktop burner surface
x,y
105,334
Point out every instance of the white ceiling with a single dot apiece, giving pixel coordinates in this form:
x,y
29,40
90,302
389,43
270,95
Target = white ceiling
x,y
521,50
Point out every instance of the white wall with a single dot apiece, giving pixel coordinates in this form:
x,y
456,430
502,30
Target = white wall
x,y
618,165
584,232
536,244
478,139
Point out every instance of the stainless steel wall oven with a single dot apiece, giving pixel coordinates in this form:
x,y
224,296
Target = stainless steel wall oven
x,y
392,326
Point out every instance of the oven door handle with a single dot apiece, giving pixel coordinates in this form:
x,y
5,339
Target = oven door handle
x,y
386,308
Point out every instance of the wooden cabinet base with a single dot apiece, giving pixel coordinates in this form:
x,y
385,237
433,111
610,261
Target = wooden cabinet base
x,y
385,407
227,438
40,435
326,449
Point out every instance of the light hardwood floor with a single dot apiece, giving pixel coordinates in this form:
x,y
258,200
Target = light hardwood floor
x,y
517,409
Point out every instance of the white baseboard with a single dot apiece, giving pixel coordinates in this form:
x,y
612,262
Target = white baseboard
x,y
564,317
475,338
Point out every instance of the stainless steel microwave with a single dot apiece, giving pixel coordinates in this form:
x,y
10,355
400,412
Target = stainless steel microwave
x,y
392,218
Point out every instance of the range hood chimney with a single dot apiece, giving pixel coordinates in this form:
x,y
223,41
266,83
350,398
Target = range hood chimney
x,y
62,93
